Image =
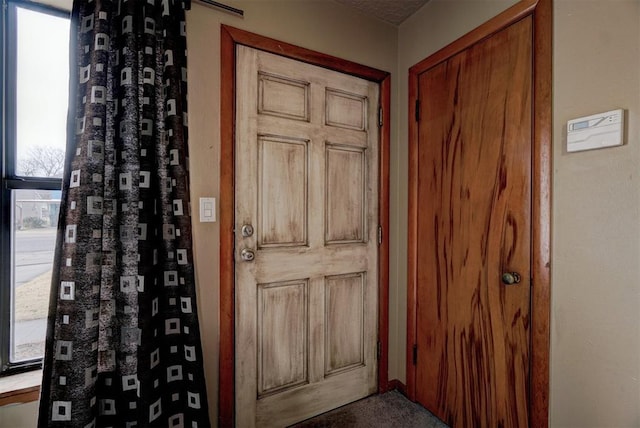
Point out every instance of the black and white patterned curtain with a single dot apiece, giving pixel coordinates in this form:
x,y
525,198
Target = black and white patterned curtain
x,y
123,342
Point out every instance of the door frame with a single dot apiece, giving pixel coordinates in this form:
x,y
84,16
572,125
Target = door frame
x,y
541,11
230,37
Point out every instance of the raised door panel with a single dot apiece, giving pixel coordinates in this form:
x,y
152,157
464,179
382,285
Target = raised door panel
x,y
282,191
282,336
283,97
344,300
345,188
346,110
306,176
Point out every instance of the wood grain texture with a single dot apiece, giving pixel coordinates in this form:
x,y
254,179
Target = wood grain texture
x,y
412,236
230,38
282,191
541,193
20,388
344,335
541,208
295,177
346,196
282,336
288,50
24,395
226,364
474,192
283,97
345,110
383,247
516,12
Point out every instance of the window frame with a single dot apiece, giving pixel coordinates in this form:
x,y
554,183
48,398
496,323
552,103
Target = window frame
x,y
9,180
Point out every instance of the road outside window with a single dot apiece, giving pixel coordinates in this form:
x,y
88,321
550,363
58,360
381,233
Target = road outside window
x,y
35,217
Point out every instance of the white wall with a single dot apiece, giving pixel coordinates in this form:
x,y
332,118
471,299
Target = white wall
x,y
595,348
19,415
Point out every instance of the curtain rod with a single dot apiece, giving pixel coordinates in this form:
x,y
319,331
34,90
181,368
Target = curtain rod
x,y
223,7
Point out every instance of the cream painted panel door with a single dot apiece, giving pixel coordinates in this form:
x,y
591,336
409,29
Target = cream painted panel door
x,y
306,209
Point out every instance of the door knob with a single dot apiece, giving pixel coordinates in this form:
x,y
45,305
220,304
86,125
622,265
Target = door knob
x,y
510,278
247,255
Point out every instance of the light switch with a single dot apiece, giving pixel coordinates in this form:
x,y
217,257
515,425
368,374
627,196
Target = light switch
x,y
207,210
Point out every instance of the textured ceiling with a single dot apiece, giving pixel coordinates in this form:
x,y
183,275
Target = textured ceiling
x,y
393,11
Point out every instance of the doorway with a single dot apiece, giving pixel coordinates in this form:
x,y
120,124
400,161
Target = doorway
x,y
311,355
479,209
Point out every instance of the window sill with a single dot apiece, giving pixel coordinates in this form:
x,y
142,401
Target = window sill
x,y
20,388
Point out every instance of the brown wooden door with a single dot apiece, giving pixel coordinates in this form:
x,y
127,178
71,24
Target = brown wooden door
x,y
307,183
474,224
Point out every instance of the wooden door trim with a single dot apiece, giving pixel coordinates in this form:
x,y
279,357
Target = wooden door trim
x,y
230,37
541,11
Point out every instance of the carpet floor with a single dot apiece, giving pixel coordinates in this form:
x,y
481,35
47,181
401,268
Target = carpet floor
x,y
390,409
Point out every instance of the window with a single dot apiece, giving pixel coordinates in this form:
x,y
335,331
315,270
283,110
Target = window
x,y
34,112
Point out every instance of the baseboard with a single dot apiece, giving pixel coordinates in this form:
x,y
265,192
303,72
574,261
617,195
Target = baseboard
x,y
396,384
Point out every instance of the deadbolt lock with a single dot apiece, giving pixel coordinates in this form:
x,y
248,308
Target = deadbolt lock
x,y
247,230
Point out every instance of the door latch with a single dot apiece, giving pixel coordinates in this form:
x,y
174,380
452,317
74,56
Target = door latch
x,y
247,255
510,278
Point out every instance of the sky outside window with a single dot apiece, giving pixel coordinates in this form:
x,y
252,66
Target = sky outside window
x,y
42,88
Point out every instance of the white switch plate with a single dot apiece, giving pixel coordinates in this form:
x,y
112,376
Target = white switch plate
x,y
207,210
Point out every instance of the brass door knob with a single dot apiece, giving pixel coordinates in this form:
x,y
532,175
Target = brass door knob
x,y
510,278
